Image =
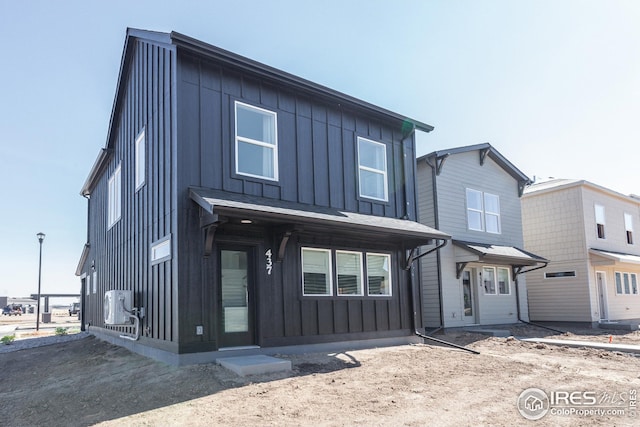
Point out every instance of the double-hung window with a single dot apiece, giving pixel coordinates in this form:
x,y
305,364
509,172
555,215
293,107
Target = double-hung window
x,y
496,284
114,203
316,272
349,269
256,142
600,222
379,274
483,211
372,169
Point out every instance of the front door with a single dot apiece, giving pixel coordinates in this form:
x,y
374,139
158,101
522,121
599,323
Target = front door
x,y
602,295
468,293
235,298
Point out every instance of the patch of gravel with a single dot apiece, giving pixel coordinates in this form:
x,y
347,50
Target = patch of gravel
x,y
41,341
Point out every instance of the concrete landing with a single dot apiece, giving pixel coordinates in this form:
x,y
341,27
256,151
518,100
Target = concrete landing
x,y
253,365
625,348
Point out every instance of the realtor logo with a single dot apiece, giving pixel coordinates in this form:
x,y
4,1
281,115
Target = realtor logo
x,y
533,404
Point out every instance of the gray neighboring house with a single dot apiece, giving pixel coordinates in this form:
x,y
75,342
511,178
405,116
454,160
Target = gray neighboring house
x,y
473,194
588,231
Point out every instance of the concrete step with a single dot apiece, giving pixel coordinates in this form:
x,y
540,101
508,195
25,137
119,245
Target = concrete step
x,y
622,326
490,332
253,365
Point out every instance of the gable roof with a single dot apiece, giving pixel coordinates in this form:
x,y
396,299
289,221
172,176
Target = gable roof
x,y
561,183
437,158
174,40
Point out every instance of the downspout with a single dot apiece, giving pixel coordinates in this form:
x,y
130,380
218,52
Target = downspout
x,y
83,288
436,225
413,301
518,298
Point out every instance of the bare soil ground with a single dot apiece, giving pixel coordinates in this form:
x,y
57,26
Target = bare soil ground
x,y
87,382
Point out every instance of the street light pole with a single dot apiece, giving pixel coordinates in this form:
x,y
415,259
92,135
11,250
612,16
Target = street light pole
x,y
40,239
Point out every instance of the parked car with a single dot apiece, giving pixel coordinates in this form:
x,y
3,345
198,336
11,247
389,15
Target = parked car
x,y
74,308
12,310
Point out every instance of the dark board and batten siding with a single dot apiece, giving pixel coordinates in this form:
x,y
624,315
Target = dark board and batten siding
x,y
122,252
317,142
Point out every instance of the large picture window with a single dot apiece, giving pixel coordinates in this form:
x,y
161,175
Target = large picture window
x,y
316,272
372,169
114,204
256,142
483,211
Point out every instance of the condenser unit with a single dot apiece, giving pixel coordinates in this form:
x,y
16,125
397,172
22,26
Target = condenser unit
x,y
116,305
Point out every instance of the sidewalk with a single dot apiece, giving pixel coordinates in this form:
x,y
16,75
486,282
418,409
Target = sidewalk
x,y
625,348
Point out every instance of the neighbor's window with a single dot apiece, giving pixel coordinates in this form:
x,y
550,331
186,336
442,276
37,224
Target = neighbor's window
x,y
349,269
600,221
316,272
95,282
140,149
378,274
557,274
372,169
88,284
626,283
114,197
161,250
503,281
256,142
628,225
489,280
483,211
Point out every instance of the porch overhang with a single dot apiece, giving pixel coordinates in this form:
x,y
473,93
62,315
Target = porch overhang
x,y
613,258
486,253
310,218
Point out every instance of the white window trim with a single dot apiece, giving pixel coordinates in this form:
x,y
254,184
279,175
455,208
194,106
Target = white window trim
x,y
384,172
495,280
330,272
160,250
366,274
94,281
487,213
141,160
508,270
361,274
273,146
114,197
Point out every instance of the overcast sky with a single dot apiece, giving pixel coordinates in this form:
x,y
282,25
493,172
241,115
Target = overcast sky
x,y
553,85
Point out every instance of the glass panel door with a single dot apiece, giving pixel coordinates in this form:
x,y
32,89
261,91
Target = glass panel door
x,y
235,295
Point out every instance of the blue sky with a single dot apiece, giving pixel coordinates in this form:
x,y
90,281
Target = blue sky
x,y
553,85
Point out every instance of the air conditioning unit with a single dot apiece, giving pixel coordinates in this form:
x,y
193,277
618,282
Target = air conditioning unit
x,y
115,303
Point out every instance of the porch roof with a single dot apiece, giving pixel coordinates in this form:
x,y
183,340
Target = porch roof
x,y
616,256
314,218
496,254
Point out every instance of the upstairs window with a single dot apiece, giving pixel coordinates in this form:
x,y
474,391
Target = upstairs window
x,y
483,211
114,198
628,225
600,221
256,142
140,150
372,169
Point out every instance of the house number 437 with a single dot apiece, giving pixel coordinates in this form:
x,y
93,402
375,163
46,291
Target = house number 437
x,y
269,261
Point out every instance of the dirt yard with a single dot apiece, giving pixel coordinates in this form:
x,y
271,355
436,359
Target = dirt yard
x,y
87,382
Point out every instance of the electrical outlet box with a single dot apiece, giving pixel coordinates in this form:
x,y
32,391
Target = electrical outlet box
x,y
199,330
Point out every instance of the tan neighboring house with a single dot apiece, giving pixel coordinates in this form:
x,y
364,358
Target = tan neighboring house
x,y
588,233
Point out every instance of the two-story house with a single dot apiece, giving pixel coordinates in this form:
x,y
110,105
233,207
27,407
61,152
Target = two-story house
x,y
473,194
238,207
587,231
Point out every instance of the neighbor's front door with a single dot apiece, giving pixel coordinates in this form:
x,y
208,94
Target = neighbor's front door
x,y
236,297
468,293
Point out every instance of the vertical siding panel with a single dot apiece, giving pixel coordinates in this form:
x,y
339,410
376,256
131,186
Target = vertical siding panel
x,y
305,160
350,166
320,163
336,171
